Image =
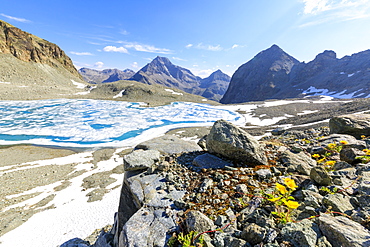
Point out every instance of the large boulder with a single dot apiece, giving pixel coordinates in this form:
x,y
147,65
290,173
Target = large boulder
x,y
235,144
352,124
341,231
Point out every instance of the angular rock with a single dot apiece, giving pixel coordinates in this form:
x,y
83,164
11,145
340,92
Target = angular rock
x,y
203,143
169,144
140,159
336,138
207,183
349,155
352,124
148,227
264,174
300,234
338,203
242,188
198,222
210,161
299,162
234,143
320,176
341,231
254,234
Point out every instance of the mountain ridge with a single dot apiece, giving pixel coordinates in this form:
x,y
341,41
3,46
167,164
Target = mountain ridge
x,y
163,72
274,74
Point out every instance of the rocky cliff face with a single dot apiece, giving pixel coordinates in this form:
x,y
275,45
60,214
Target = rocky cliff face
x,y
28,47
107,75
162,71
273,74
33,68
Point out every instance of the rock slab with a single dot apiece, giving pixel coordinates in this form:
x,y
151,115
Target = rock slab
x,y
341,231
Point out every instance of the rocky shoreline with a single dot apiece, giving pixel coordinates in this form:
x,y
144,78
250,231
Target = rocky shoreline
x,y
295,188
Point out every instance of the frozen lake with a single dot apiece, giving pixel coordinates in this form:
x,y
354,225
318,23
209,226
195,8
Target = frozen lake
x,y
99,123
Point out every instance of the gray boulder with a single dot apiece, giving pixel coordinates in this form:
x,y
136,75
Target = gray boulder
x,y
320,176
198,222
301,234
234,143
140,159
341,231
338,203
352,124
349,155
169,144
253,233
300,162
148,227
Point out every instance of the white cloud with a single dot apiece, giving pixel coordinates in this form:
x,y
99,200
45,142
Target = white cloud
x,y
315,6
81,53
115,49
135,65
147,48
15,18
203,73
235,46
334,10
99,65
179,59
202,46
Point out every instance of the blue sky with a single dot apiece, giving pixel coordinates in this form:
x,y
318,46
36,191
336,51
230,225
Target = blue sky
x,y
201,35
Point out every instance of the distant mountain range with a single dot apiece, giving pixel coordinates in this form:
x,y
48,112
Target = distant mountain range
x,y
274,74
102,76
161,71
34,68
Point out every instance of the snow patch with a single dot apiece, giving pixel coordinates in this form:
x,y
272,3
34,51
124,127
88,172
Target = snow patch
x,y
173,92
4,82
312,91
78,84
120,94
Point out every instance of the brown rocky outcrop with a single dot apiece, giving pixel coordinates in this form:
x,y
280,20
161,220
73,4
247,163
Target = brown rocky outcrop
x,y
28,47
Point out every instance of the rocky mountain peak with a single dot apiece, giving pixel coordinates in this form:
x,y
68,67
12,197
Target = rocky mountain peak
x,y
261,77
328,54
28,47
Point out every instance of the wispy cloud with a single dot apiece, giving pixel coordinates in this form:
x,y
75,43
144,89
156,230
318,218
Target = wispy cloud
x,y
322,11
115,49
81,53
146,48
206,47
135,65
209,47
15,18
179,59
